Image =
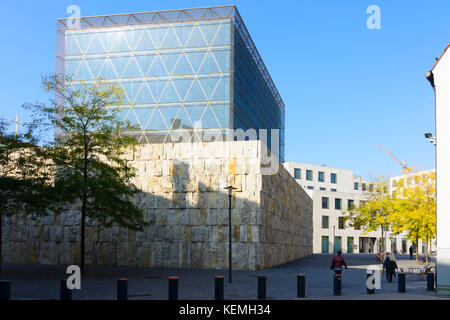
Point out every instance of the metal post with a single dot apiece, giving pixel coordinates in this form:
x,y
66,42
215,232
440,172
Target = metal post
x,y
300,286
122,289
5,290
401,282
218,288
64,292
173,288
262,287
430,281
230,261
337,285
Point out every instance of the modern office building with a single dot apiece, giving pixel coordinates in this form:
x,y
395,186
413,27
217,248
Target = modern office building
x,y
439,78
192,69
333,192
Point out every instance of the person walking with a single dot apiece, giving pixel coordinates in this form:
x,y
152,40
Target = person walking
x,y
337,263
390,265
411,252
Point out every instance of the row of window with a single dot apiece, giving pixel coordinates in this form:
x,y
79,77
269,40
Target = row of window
x,y
321,189
341,223
338,203
309,175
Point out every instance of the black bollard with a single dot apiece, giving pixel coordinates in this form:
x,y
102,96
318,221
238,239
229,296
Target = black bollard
x,y
218,288
370,291
300,286
173,288
5,290
337,284
401,282
430,281
262,287
64,292
122,289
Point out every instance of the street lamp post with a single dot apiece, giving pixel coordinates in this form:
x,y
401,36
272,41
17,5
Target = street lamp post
x,y
385,235
230,195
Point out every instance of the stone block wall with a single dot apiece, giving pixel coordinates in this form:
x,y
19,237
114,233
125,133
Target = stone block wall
x,y
183,199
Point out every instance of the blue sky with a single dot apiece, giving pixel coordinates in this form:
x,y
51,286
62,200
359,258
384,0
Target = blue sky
x,y
346,88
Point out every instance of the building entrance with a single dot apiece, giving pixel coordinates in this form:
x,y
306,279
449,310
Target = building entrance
x,y
367,244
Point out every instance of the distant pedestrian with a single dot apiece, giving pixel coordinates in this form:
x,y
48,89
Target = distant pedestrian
x,y
337,263
390,265
411,253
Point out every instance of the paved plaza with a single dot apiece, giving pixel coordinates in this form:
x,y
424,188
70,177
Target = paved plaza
x,y
42,282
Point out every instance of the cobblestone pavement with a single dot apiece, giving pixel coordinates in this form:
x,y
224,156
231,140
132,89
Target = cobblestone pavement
x,y
42,282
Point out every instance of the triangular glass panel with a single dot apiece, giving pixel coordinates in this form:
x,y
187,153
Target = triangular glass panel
x,y
183,32
222,91
144,95
185,120
196,13
120,64
95,65
123,113
208,85
209,14
72,67
196,39
209,65
209,31
144,17
144,42
222,114
71,44
209,119
107,39
143,115
195,93
83,40
83,72
132,36
157,68
170,40
144,62
169,115
195,112
182,86
223,35
170,15
157,34
96,45
170,61
131,88
120,43
156,121
222,59
195,59
157,88
132,118
183,66
169,94
132,70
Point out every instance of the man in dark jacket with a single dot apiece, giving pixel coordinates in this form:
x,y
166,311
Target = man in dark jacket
x,y
411,252
337,263
390,266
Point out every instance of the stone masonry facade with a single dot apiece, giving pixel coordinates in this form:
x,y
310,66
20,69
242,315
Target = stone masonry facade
x,y
183,199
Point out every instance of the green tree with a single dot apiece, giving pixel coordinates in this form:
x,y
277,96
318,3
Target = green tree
x,y
375,212
26,184
415,208
88,152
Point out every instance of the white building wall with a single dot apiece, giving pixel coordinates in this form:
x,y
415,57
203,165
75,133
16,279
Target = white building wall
x,y
441,74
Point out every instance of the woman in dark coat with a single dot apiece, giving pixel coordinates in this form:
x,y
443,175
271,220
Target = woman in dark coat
x,y
390,265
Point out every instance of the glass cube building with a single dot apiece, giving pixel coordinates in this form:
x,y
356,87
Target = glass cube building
x,y
193,69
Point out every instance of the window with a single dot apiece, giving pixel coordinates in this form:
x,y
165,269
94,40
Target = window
x,y
333,190
310,188
324,222
355,185
297,173
350,204
333,178
322,189
324,203
321,176
357,227
341,223
337,204
309,175
370,187
364,187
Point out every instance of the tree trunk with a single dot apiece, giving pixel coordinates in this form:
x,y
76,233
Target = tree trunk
x,y
1,225
417,248
82,240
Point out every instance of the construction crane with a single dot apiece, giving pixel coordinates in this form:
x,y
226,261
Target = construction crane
x,y
405,168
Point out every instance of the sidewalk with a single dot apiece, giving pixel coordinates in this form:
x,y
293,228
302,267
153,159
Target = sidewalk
x,y
42,282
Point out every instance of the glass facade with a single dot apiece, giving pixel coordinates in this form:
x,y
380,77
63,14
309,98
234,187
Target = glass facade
x,y
194,69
